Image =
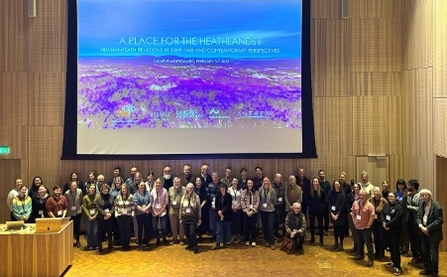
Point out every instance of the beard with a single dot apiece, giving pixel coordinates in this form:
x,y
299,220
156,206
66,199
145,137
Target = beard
x,y
167,176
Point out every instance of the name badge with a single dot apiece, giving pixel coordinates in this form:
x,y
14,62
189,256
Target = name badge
x,y
358,217
40,212
158,206
106,210
124,211
333,208
188,210
73,208
388,217
392,211
264,205
280,199
144,206
251,207
375,216
174,203
59,212
92,211
234,203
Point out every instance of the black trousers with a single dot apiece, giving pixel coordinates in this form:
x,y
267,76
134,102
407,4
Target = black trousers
x,y
144,223
76,225
393,239
414,234
250,230
105,227
190,233
430,253
319,217
125,227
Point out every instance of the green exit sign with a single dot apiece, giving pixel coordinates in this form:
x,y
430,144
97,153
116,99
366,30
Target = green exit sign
x,y
4,150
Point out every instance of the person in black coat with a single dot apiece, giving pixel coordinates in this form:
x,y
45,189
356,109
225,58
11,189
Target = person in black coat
x,y
224,217
391,216
338,214
316,205
430,220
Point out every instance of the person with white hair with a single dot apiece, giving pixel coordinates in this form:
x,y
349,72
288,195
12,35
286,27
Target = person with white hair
x,y
429,220
295,225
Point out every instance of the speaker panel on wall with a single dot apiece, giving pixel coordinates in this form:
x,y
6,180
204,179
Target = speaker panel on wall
x,y
345,8
32,8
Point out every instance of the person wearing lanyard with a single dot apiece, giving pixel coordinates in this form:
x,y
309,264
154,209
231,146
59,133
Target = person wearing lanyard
x,y
160,196
268,200
143,202
74,198
316,204
124,209
337,212
250,205
175,195
22,205
392,214
190,216
39,202
363,217
236,206
224,215
56,205
280,213
105,212
90,208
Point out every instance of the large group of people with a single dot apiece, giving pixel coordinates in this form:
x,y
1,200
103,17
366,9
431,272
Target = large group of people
x,y
233,210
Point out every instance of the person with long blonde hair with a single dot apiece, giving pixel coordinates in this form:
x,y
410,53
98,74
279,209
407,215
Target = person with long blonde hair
x,y
268,200
190,216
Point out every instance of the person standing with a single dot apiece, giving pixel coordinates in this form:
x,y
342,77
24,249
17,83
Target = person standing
x,y
90,208
392,219
337,212
268,200
22,205
105,215
175,195
430,220
224,217
190,216
124,210
56,205
250,205
280,212
412,202
363,218
326,187
316,205
74,197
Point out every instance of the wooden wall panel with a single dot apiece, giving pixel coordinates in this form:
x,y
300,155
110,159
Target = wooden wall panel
x,y
441,191
358,84
9,171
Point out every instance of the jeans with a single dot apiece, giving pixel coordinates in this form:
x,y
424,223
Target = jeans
x,y
164,220
222,231
364,236
92,233
268,219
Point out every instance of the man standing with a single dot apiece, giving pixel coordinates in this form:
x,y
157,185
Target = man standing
x,y
259,178
116,173
413,201
326,187
186,176
167,178
430,220
363,217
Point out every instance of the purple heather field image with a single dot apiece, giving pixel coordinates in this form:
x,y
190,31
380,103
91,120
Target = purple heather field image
x,y
174,92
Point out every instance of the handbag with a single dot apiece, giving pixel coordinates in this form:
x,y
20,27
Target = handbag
x,y
288,245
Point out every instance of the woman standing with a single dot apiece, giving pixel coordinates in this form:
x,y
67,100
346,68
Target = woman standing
x,y
378,202
224,216
39,202
190,216
267,197
161,199
236,206
142,202
35,184
105,215
175,195
250,205
201,192
391,221
124,210
337,212
316,206
90,208
22,205
354,196
74,199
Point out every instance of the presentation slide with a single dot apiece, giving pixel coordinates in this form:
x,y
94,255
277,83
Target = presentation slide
x,y
189,76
